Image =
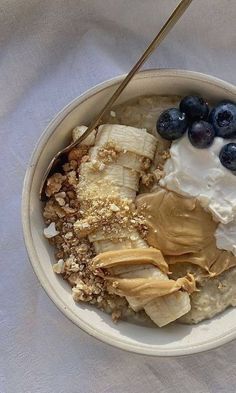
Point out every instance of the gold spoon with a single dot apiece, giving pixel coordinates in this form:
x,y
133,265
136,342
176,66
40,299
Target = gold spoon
x,y
61,156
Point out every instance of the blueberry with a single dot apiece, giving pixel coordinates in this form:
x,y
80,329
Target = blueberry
x,y
223,119
228,156
201,134
172,124
195,107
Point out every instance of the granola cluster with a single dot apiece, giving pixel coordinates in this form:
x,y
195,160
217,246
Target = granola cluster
x,y
74,252
72,219
157,170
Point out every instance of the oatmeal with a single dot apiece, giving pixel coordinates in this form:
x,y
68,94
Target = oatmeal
x,y
154,257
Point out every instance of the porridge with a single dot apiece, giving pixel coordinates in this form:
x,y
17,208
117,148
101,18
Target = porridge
x,y
143,214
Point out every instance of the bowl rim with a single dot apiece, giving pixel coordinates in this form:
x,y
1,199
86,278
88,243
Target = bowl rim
x,y
32,255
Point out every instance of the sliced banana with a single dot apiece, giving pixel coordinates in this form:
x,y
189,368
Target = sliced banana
x,y
162,310
108,245
111,175
77,132
111,245
127,160
116,235
137,304
120,177
135,140
166,309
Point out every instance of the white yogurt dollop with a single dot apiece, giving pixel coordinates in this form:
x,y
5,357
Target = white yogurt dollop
x,y
199,173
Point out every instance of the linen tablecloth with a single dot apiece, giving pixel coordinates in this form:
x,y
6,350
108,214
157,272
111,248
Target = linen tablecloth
x,y
50,52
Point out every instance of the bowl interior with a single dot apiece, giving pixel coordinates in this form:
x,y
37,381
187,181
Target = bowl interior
x,y
175,339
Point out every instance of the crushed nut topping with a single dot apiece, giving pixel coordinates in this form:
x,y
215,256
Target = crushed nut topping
x,y
147,179
110,215
165,154
75,215
158,173
109,152
63,213
146,163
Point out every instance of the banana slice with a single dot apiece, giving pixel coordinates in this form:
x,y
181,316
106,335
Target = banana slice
x,y
121,178
105,191
78,131
166,309
137,304
161,310
137,271
127,160
135,140
115,235
110,245
112,175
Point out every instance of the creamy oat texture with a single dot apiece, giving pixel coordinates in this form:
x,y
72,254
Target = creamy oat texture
x,y
74,254
214,296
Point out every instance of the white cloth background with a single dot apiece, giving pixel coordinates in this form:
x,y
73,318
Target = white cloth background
x,y
52,51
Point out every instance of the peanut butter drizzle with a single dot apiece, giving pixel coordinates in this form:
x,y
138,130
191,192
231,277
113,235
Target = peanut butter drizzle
x,y
129,257
144,289
183,231
149,288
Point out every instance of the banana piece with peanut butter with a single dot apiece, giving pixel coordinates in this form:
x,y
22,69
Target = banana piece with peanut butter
x,y
133,273
109,180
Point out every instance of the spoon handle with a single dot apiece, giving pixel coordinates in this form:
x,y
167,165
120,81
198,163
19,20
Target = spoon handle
x,y
174,17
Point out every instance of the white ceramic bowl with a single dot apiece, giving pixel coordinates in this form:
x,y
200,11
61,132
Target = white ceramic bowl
x,y
172,340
